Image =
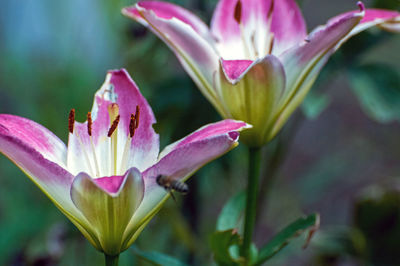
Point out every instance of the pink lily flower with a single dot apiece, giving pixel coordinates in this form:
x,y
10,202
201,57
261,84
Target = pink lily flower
x,y
105,181
256,62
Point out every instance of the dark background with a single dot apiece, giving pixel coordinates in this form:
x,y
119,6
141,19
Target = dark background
x,y
338,155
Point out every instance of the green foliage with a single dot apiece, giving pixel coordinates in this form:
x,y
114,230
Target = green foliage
x,y
231,214
314,104
378,90
224,246
282,239
157,258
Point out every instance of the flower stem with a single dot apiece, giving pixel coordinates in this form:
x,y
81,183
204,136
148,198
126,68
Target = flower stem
x,y
251,201
111,260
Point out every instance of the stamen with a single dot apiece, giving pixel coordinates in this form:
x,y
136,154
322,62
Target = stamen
x,y
71,121
137,116
89,129
271,9
125,155
238,17
238,12
271,44
113,126
271,38
89,123
132,126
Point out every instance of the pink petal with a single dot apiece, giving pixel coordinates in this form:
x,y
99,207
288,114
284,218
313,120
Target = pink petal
x,y
108,204
182,158
300,60
386,19
304,62
168,11
224,25
145,143
37,152
119,88
231,126
287,25
36,136
194,50
234,68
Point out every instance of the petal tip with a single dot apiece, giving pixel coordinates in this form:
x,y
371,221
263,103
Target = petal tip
x,y
234,135
361,6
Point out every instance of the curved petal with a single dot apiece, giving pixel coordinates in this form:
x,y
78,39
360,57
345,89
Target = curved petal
x,y
253,95
168,11
86,154
108,203
303,63
180,161
30,146
300,61
207,131
195,51
34,150
386,19
38,137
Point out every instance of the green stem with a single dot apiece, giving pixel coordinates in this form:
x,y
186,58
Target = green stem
x,y
111,260
251,201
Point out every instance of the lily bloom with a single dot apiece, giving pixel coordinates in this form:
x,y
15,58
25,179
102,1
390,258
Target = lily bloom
x,y
256,62
105,181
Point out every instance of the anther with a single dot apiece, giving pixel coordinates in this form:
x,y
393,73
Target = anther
x,y
137,115
89,123
113,126
271,9
238,12
132,126
71,121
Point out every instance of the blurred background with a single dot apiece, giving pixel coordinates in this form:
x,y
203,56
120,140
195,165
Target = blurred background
x,y
338,155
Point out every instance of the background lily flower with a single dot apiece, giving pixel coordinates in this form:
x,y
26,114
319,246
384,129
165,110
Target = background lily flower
x,y
105,180
256,63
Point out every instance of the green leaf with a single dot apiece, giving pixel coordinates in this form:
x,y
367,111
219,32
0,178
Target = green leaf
x,y
157,258
231,214
293,230
224,246
314,104
377,88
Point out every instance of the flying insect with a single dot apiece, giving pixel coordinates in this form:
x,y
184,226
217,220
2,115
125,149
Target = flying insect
x,y
170,184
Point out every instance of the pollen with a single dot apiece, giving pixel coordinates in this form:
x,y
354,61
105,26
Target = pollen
x,y
137,115
113,126
71,121
132,127
89,123
238,12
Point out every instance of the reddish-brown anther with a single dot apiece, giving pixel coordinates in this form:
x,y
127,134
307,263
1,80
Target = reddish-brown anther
x,y
132,126
137,115
89,123
113,126
71,121
238,12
